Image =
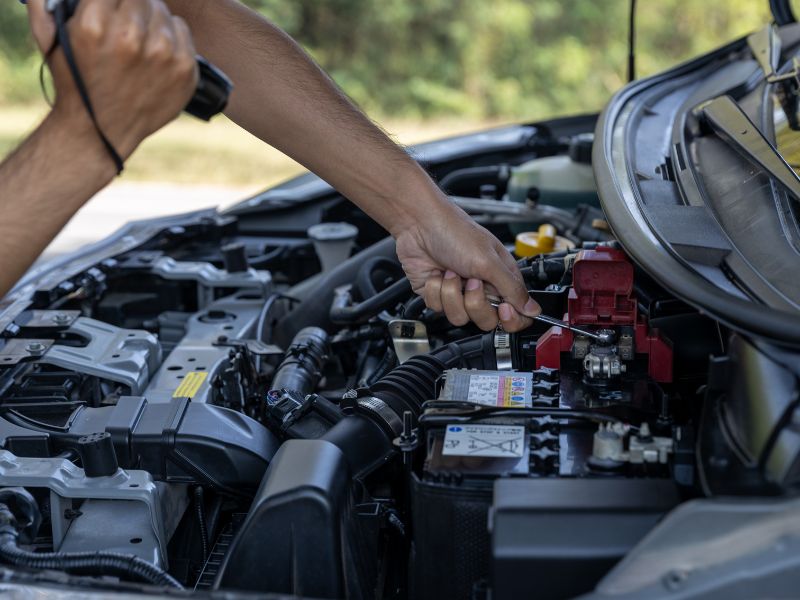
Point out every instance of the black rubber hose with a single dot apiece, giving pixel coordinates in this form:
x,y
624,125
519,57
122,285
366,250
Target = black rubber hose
x,y
344,314
301,369
99,563
466,181
199,503
363,442
388,361
410,384
414,308
476,352
365,278
362,436
316,294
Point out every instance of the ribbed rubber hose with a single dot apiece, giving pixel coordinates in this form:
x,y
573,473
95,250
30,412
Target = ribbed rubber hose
x,y
101,563
413,383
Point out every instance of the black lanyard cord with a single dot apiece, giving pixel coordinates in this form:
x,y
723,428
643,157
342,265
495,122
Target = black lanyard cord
x,y
62,37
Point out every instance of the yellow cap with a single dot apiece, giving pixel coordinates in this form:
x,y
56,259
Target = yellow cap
x,y
531,243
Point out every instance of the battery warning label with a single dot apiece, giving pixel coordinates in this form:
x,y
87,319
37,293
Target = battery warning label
x,y
491,441
490,388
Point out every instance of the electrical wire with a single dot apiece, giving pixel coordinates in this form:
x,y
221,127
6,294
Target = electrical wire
x,y
471,411
632,42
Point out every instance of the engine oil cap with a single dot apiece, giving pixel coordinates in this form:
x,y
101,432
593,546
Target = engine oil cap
x,y
543,241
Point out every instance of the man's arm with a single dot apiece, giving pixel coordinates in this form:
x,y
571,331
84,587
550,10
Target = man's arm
x,y
285,99
138,64
42,184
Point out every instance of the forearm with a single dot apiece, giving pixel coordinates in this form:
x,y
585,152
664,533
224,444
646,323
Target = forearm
x,y
282,97
42,184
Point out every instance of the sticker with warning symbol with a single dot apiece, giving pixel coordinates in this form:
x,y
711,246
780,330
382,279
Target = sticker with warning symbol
x,y
493,441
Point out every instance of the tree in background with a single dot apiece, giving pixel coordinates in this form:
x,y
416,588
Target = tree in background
x,y
510,59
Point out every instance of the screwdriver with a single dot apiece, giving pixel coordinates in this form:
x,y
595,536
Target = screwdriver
x,y
604,337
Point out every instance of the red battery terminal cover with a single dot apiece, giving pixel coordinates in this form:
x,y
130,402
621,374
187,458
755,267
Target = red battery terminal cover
x,y
602,296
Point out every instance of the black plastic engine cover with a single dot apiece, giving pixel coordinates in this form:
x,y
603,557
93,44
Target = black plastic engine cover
x,y
291,541
556,538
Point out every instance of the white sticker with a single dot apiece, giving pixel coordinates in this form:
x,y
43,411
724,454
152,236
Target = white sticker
x,y
496,441
483,389
510,391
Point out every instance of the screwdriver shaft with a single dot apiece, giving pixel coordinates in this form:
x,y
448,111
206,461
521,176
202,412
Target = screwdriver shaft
x,y
495,301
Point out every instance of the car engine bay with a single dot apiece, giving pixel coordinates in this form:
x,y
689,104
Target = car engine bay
x,y
247,405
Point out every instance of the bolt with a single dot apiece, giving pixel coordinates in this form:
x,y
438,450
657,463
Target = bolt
x,y
408,424
35,348
674,580
61,318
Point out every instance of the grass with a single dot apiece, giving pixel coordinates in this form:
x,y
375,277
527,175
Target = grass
x,y
218,153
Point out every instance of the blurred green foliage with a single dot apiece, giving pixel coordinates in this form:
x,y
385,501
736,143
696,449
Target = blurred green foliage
x,y
510,59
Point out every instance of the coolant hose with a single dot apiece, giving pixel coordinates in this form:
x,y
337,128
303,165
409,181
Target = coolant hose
x,y
414,308
343,313
301,369
316,294
377,265
100,563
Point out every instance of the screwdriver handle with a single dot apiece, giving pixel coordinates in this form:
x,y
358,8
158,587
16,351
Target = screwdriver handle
x,y
213,86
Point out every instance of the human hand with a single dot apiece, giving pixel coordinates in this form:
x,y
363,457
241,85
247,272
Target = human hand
x,y
136,59
447,247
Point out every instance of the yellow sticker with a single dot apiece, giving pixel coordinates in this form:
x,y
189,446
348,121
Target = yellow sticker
x,y
190,384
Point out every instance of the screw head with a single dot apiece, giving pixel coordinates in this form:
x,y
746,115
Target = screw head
x,y
61,318
35,348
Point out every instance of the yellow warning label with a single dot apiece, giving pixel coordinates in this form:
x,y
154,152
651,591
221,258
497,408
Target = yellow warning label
x,y
190,384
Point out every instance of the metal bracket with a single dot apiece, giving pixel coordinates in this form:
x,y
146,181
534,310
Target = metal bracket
x,y
16,350
126,356
209,277
731,124
65,480
256,347
766,48
47,319
409,338
765,45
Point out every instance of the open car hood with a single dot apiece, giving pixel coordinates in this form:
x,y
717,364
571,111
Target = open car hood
x,y
703,219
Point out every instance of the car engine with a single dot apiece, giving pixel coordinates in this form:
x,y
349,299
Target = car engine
x,y
239,401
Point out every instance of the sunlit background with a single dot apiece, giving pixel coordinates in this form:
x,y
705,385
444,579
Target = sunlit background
x,y
422,70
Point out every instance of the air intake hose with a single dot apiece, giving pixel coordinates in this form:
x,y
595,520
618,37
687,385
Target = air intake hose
x,y
375,414
313,477
301,369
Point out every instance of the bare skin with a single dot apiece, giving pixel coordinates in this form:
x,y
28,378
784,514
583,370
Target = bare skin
x,y
284,98
135,58
138,64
